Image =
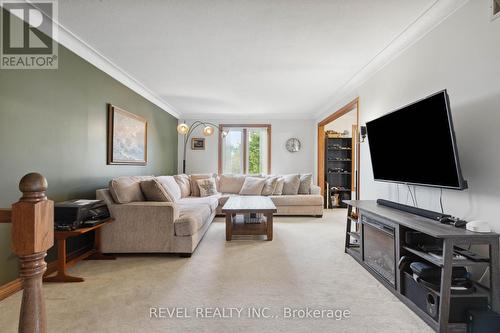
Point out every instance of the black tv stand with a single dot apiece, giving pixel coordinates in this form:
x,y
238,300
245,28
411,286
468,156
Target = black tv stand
x,y
375,231
439,217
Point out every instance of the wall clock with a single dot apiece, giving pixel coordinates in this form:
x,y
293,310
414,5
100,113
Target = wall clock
x,y
293,145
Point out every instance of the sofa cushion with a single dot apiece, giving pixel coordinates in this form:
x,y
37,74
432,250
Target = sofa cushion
x,y
171,187
184,184
153,190
305,183
291,184
297,200
231,183
127,189
191,219
195,190
279,186
252,186
270,185
212,201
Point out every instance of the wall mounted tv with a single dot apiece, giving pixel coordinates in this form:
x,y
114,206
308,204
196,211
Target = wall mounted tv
x,y
416,145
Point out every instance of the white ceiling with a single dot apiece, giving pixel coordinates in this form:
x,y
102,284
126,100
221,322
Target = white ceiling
x,y
263,58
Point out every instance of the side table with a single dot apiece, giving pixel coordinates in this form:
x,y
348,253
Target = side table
x,y
92,254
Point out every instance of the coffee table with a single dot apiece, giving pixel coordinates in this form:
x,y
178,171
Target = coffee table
x,y
237,210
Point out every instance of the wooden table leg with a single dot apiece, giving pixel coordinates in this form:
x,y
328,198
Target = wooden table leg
x,y
269,218
61,275
229,226
444,301
98,255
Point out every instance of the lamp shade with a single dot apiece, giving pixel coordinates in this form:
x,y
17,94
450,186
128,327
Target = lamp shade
x,y
208,130
182,128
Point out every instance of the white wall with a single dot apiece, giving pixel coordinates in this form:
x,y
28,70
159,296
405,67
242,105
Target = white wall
x,y
282,161
343,123
462,55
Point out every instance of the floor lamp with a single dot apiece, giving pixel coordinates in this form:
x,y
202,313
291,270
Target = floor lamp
x,y
184,129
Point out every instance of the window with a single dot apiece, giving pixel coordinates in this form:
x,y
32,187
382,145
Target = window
x,y
496,8
245,149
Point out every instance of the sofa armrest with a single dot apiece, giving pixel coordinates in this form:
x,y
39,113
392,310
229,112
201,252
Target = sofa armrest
x,y
315,189
145,211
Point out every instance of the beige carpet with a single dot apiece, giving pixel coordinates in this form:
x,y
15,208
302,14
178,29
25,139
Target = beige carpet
x,y
304,266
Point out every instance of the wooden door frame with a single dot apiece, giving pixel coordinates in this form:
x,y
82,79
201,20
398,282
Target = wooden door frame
x,y
267,126
321,142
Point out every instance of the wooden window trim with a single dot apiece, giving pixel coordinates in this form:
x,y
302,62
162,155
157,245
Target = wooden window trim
x,y
245,126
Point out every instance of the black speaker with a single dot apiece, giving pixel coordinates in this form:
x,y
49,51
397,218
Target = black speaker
x,y
363,132
428,301
432,305
483,321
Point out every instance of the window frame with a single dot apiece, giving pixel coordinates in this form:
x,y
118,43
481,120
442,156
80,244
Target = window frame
x,y
245,128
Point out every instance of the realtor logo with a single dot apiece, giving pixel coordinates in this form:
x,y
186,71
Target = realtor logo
x,y
27,35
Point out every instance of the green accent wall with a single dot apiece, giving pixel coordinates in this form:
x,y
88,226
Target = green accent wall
x,y
55,121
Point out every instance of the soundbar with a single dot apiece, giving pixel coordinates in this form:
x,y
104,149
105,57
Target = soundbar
x,y
439,217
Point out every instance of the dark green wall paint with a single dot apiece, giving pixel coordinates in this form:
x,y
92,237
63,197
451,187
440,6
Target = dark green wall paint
x,y
54,122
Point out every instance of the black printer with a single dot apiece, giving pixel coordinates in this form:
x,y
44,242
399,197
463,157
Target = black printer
x,y
73,214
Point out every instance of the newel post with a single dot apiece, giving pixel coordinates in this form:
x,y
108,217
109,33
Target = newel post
x,y
32,236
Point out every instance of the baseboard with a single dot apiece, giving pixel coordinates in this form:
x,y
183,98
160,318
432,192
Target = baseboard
x,y
10,288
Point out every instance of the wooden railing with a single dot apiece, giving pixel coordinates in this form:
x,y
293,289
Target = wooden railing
x,y
32,235
5,215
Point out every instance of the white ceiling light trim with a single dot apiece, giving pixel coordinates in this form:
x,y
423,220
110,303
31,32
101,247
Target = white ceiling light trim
x,y
432,17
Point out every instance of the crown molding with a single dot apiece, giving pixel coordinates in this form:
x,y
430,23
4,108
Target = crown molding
x,y
75,44
87,52
426,22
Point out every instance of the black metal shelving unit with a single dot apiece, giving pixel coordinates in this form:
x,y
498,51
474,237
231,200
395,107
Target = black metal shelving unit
x,y
338,171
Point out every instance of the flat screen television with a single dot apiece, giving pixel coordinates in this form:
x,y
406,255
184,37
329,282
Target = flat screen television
x,y
416,145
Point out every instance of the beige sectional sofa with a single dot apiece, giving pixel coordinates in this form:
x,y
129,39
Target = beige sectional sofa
x,y
178,217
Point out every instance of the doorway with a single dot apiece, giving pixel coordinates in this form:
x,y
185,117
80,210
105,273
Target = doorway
x,y
338,155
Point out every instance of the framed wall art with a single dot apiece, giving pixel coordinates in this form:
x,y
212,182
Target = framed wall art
x,y
198,143
127,138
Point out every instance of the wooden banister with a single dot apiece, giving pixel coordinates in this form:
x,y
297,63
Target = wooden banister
x,y
32,236
5,216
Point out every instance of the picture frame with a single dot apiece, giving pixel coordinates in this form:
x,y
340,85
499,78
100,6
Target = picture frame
x,y
197,143
127,138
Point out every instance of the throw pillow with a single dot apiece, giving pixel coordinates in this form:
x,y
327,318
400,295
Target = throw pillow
x,y
279,186
291,184
195,190
170,186
154,191
305,183
207,187
184,184
270,185
252,186
231,183
126,189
